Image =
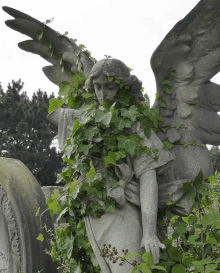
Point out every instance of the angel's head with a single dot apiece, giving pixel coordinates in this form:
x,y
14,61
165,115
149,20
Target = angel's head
x,y
105,90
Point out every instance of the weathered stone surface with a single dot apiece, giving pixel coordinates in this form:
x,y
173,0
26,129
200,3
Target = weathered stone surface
x,y
20,196
187,101
49,190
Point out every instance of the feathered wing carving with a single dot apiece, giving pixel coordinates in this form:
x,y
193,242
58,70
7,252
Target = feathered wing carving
x,y
62,47
192,48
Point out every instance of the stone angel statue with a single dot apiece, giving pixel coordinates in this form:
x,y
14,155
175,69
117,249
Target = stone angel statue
x,y
192,49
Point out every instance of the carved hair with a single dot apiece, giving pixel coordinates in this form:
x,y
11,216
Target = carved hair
x,y
117,70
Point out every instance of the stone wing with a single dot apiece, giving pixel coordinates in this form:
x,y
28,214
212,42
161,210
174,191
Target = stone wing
x,y
64,55
192,48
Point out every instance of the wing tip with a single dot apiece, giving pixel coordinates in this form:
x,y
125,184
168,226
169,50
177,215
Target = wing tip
x,y
9,10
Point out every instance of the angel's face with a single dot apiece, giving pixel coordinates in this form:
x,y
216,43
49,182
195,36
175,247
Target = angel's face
x,y
104,89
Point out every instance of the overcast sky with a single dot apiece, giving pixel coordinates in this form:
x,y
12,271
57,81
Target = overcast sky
x,y
126,30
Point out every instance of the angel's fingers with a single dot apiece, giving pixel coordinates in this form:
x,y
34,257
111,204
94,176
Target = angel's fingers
x,y
147,248
155,253
162,245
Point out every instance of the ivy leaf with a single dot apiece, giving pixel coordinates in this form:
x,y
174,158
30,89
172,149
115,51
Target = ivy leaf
x,y
75,126
103,116
90,132
84,148
146,150
191,195
168,202
155,152
135,269
158,97
38,211
146,125
40,237
60,60
159,267
202,189
110,158
210,268
129,144
144,268
198,265
178,268
181,228
163,104
167,89
87,107
87,53
72,186
187,187
148,258
120,154
172,72
198,179
54,104
91,173
78,80
114,183
40,34
193,143
212,180
131,113
174,253
165,80
185,144
56,194
52,205
87,95
110,205
109,142
121,123
49,44
167,145
65,88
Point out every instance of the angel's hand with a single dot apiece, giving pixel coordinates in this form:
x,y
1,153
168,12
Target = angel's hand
x,y
152,244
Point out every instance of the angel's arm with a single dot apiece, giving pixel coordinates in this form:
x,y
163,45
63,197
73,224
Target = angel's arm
x,y
149,205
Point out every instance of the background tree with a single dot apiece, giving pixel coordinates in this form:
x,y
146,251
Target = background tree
x,y
26,134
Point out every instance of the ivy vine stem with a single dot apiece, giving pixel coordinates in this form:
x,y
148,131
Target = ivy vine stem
x,y
202,239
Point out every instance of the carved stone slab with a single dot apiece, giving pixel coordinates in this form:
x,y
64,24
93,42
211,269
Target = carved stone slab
x,y
20,196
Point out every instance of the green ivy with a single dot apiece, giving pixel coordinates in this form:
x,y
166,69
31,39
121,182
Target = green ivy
x,y
107,128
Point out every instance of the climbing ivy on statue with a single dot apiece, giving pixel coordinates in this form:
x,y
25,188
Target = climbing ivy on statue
x,y
103,128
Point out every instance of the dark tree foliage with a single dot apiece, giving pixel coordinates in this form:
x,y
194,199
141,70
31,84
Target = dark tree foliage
x,y
215,155
26,134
